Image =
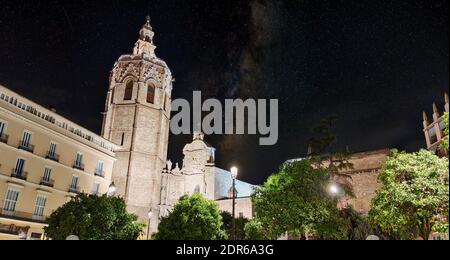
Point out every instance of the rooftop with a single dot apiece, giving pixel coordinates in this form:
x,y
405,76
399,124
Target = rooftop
x,y
11,100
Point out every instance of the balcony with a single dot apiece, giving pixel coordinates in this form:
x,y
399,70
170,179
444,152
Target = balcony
x,y
99,173
4,138
19,174
78,166
26,147
47,182
52,156
23,216
75,190
9,230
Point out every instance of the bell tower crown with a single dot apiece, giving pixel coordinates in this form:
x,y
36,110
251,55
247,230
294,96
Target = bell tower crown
x,y
145,45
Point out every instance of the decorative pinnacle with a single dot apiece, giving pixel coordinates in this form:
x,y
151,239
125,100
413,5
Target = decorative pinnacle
x,y
425,117
435,109
147,22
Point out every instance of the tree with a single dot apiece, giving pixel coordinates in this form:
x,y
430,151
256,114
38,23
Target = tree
x,y
323,154
415,196
240,223
295,201
193,218
254,230
358,225
446,130
93,218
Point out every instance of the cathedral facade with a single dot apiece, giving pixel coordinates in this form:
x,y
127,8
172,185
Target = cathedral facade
x,y
199,174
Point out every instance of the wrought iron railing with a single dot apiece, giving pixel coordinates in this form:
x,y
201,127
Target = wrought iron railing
x,y
19,174
26,146
52,156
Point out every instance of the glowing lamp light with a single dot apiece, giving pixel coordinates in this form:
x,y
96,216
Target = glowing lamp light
x,y
334,189
234,172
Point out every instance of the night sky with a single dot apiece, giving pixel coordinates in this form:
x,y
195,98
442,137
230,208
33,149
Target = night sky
x,y
375,64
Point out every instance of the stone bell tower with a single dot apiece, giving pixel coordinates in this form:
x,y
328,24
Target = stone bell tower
x,y
137,117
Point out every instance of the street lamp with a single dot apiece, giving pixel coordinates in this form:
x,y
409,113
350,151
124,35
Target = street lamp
x,y
150,213
234,173
111,190
334,190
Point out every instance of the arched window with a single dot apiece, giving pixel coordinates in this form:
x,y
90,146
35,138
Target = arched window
x,y
128,91
151,94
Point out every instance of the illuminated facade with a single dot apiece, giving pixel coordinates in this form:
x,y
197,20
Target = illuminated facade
x,y
45,160
137,117
434,129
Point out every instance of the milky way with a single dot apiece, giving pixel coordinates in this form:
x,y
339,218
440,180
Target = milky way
x,y
376,64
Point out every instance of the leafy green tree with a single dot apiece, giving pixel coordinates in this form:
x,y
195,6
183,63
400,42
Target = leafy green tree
x,y
415,196
193,218
240,223
295,201
254,230
446,130
93,218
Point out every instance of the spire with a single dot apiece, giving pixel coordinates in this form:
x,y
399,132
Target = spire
x,y
146,33
425,117
446,98
435,109
446,102
147,24
198,136
145,43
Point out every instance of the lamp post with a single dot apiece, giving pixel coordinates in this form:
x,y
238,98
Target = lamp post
x,y
150,213
234,173
335,192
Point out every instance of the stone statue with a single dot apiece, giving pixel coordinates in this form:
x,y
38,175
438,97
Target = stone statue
x,y
169,165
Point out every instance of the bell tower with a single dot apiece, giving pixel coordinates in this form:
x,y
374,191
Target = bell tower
x,y
137,117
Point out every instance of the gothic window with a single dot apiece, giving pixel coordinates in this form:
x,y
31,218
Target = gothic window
x,y
151,94
128,91
197,189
